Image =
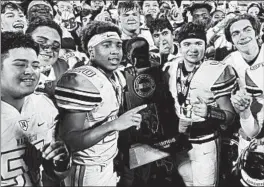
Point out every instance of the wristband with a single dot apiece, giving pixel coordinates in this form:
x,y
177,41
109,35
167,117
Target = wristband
x,y
216,113
63,165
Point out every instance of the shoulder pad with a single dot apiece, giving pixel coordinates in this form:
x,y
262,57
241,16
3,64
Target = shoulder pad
x,y
251,87
225,83
76,91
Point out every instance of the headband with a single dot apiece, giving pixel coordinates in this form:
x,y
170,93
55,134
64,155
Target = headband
x,y
33,3
98,38
199,35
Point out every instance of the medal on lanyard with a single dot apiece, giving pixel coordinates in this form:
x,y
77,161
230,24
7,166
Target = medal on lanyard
x,y
182,90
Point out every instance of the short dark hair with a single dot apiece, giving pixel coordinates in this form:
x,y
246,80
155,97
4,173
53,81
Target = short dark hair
x,y
195,6
254,22
141,2
254,5
86,12
127,6
13,40
89,2
96,27
159,24
12,5
41,22
191,30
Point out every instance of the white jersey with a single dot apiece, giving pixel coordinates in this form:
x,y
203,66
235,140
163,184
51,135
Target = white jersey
x,y
212,80
255,86
236,60
35,124
88,89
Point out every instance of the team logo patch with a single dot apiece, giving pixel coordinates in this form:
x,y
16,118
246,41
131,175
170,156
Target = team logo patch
x,y
254,67
23,124
144,85
83,70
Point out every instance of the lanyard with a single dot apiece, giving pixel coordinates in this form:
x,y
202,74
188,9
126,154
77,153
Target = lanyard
x,y
117,88
182,90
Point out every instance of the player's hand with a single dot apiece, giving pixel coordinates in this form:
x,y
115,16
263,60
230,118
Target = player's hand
x,y
132,71
129,119
57,151
103,16
200,108
240,100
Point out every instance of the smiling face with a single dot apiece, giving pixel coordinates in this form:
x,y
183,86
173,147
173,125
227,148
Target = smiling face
x,y
193,50
151,7
243,35
130,20
107,55
19,73
50,44
13,20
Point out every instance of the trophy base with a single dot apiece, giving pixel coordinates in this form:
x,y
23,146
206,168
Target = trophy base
x,y
141,154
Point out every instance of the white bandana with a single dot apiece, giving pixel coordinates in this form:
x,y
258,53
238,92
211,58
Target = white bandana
x,y
98,38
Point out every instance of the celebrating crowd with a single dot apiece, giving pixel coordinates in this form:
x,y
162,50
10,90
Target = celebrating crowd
x,y
84,81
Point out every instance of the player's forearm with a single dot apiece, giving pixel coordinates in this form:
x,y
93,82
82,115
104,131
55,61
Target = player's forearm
x,y
83,139
223,117
249,124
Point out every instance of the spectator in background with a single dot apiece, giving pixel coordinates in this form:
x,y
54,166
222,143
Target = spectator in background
x,y
37,9
254,9
201,14
217,15
48,35
162,34
12,18
87,15
150,8
129,22
96,4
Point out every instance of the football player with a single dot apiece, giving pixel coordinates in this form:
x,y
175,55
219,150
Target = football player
x,y
248,103
90,97
201,90
28,120
243,31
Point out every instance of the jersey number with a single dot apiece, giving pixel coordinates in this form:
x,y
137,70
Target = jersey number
x,y
13,164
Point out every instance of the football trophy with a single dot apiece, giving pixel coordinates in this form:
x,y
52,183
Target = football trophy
x,y
158,136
